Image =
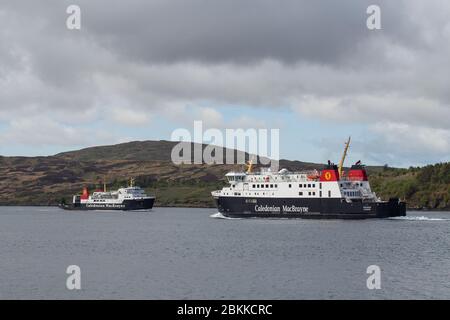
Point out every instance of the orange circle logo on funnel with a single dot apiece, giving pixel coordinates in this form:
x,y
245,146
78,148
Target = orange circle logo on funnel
x,y
328,175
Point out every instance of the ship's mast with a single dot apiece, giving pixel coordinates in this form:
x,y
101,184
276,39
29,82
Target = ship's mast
x,y
249,166
341,164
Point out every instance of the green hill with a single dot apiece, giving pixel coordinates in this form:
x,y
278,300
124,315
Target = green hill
x,y
424,188
47,180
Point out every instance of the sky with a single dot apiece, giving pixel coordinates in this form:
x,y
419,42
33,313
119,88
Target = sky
x,y
140,69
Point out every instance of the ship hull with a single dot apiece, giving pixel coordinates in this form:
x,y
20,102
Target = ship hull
x,y
307,208
126,205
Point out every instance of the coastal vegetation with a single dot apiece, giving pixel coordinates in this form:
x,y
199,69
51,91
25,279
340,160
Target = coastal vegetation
x,y
50,180
422,187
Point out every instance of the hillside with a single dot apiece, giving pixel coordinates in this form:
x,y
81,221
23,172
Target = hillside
x,y
424,188
47,180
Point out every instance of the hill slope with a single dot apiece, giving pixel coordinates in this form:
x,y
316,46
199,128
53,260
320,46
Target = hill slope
x,y
46,180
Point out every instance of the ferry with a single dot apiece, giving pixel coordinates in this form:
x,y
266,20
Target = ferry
x,y
327,194
129,198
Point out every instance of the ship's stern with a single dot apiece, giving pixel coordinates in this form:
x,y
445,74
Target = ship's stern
x,y
392,208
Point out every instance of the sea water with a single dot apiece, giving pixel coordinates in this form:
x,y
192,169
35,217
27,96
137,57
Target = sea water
x,y
177,253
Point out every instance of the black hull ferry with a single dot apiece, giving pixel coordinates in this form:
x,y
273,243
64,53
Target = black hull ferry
x,y
308,209
127,199
326,194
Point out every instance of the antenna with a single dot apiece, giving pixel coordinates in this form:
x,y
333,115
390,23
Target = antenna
x,y
341,164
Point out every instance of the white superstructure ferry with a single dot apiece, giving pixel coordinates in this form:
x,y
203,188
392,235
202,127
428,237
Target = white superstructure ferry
x,y
329,193
129,198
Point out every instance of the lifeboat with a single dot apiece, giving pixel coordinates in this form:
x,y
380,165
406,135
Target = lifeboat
x,y
313,175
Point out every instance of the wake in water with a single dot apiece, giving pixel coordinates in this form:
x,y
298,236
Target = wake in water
x,y
218,215
420,218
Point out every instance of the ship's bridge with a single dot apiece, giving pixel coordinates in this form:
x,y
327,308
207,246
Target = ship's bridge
x,y
234,177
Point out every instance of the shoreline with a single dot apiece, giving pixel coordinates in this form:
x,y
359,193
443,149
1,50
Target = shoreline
x,y
206,207
57,206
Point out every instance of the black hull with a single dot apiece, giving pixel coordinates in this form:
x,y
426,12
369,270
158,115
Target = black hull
x,y
308,208
126,205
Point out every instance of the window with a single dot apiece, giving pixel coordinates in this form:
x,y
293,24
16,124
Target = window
x,y
329,193
314,185
300,193
299,185
309,185
267,186
253,186
290,185
271,185
309,193
276,186
257,186
314,193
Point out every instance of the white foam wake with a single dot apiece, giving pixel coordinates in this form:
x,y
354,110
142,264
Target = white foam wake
x,y
218,215
419,218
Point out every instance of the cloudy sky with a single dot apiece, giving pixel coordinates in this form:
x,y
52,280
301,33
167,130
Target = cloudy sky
x,y
139,69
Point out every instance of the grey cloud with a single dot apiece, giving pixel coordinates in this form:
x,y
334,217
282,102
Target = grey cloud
x,y
316,57
231,31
